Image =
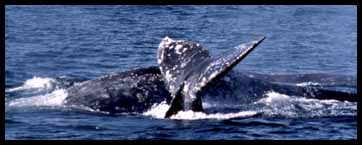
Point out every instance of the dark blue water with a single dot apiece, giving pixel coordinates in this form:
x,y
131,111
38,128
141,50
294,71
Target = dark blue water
x,y
48,48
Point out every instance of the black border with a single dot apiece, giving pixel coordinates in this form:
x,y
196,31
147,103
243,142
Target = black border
x,y
183,2
188,2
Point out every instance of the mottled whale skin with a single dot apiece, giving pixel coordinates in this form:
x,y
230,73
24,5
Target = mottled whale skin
x,y
185,75
129,91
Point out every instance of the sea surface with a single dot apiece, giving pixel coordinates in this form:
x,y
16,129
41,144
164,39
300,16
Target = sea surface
x,y
49,48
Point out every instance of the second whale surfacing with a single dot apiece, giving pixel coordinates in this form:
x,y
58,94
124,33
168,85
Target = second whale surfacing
x,y
187,74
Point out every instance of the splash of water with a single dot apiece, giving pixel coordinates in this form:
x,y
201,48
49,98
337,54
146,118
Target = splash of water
x,y
274,97
36,83
159,111
56,98
276,104
303,84
190,115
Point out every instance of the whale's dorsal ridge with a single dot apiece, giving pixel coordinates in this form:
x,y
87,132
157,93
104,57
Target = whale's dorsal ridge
x,y
187,68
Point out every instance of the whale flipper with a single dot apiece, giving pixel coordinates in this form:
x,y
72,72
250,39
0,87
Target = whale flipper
x,y
187,68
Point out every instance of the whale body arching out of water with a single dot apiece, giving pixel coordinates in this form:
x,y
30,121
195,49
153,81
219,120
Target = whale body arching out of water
x,y
186,75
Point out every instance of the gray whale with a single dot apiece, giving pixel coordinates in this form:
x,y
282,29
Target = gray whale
x,y
187,74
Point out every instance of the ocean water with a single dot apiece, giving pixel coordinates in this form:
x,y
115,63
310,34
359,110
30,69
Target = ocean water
x,y
49,48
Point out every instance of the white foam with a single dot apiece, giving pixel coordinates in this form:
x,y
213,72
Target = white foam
x,y
294,106
56,98
191,115
273,97
36,83
307,84
159,111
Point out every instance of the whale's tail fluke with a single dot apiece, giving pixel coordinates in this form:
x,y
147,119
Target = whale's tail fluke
x,y
187,68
